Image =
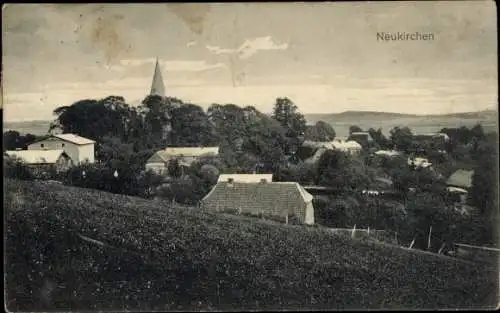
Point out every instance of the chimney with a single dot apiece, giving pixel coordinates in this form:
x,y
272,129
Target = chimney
x,y
263,181
230,182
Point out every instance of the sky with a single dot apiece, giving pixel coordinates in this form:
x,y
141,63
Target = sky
x,y
325,57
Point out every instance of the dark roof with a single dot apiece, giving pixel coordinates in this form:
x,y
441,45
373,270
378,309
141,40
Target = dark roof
x,y
275,198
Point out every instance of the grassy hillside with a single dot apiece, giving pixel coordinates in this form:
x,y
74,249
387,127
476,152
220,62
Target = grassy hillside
x,y
69,248
418,123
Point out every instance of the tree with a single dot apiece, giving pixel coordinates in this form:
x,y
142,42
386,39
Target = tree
x,y
191,127
379,139
401,138
321,131
344,174
287,114
354,128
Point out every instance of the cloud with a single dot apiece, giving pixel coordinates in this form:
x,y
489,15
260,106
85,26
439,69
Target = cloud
x,y
250,47
172,65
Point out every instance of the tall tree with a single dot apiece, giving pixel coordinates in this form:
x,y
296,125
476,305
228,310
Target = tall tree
x,y
401,138
191,127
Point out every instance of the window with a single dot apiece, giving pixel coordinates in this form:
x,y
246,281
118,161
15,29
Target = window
x,y
62,145
42,145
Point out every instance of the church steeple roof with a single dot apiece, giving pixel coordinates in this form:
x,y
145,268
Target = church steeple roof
x,y
157,86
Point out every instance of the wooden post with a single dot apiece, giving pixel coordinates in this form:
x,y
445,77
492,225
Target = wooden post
x,y
412,243
368,230
441,249
429,240
286,218
353,231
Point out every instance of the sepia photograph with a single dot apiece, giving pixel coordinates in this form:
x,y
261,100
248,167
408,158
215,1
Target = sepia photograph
x,y
279,156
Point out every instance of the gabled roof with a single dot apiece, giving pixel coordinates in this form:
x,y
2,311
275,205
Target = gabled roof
x,y
245,178
388,152
317,144
191,151
37,156
73,138
168,153
275,198
461,178
346,145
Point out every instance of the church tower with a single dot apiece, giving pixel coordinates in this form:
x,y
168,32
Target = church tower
x,y
157,86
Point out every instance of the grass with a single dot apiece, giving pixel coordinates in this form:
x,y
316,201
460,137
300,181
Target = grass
x,y
156,257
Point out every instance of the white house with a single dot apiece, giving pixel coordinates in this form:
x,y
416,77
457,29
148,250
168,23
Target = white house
x,y
159,161
79,149
348,146
40,160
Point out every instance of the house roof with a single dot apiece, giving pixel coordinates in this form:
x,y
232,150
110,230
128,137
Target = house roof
x,y
317,144
388,152
73,138
461,178
346,145
275,198
420,162
245,178
36,156
191,151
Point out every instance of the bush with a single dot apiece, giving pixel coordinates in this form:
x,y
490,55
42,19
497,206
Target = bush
x,y
16,169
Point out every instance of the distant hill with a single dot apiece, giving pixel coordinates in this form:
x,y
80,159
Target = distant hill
x,y
25,127
69,248
418,123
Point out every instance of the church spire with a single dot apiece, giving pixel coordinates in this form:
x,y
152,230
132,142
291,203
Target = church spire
x,y
157,86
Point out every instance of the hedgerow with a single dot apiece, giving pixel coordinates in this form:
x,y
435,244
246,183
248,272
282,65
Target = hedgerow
x,y
158,257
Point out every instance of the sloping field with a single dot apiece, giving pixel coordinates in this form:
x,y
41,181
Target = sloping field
x,y
78,249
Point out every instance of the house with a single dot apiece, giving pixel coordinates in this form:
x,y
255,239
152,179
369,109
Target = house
x,y
348,146
388,153
245,178
459,183
419,162
285,201
317,144
363,138
159,161
79,149
40,161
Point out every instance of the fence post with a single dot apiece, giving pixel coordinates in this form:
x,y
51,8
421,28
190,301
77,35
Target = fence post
x,y
368,230
429,240
286,218
412,243
353,231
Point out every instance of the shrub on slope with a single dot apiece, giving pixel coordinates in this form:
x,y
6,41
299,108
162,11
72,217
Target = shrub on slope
x,y
149,256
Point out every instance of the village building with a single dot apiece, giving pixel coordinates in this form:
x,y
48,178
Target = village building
x,y
42,161
363,138
347,146
79,149
459,184
419,162
388,153
245,178
185,156
288,202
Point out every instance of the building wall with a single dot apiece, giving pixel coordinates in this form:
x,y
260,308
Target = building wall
x,y
158,168
77,153
86,153
309,214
